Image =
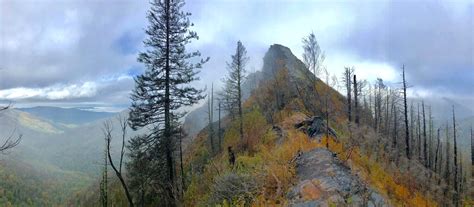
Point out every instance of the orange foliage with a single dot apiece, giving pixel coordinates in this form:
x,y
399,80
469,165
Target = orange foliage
x,y
279,172
377,176
385,182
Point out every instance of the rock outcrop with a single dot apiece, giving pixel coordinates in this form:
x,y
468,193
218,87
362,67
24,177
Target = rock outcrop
x,y
315,127
323,180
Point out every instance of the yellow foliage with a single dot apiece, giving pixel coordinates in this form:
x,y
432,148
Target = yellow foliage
x,y
377,176
384,181
255,128
272,164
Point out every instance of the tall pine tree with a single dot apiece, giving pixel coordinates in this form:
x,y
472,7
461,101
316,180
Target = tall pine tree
x,y
164,87
233,83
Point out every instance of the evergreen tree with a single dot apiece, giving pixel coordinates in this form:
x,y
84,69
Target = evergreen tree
x,y
164,87
233,83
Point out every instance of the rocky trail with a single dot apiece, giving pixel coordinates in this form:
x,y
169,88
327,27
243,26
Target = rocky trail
x,y
323,180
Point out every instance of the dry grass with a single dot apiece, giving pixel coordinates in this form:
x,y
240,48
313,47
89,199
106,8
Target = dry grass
x,y
385,182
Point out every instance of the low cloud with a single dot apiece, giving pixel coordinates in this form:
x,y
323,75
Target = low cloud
x,y
57,92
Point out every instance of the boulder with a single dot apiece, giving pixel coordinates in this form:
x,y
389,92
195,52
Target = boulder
x,y
315,127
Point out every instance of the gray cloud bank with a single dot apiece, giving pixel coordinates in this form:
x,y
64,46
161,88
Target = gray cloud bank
x,y
85,51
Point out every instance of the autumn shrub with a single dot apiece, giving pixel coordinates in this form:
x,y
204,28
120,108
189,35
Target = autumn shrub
x,y
233,188
254,126
379,165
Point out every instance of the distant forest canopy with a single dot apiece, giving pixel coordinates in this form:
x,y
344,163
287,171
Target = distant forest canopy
x,y
241,146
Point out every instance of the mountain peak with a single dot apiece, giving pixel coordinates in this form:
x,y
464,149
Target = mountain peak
x,y
278,57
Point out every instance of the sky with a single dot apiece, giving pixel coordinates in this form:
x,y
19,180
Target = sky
x,y
78,53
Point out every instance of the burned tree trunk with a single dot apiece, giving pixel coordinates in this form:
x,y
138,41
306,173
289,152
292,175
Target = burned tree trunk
x,y
425,153
407,134
455,160
436,155
356,102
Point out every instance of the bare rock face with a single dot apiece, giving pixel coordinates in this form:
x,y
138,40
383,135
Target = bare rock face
x,y
323,180
315,127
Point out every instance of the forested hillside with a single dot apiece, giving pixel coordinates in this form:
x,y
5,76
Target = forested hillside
x,y
53,161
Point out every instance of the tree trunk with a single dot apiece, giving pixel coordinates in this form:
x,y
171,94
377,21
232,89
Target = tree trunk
x,y
436,155
448,164
425,153
167,104
356,102
181,162
387,116
407,134
419,132
455,160
349,102
395,125
219,132
241,128
210,105
430,139
108,138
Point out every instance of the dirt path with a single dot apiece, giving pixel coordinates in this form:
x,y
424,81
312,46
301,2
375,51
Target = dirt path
x,y
323,180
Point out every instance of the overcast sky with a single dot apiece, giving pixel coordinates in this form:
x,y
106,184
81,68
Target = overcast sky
x,y
83,53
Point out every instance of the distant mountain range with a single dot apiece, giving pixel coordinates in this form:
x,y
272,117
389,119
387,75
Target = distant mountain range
x,y
50,135
66,115
57,153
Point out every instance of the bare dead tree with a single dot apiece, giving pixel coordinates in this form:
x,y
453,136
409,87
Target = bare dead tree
x,y
379,86
430,138
387,115
210,113
104,182
436,155
472,147
12,140
347,78
419,132
407,132
425,153
412,130
219,132
123,127
313,56
455,160
356,102
448,164
107,130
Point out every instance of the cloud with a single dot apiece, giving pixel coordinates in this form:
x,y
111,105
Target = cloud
x,y
434,40
58,92
55,42
55,47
